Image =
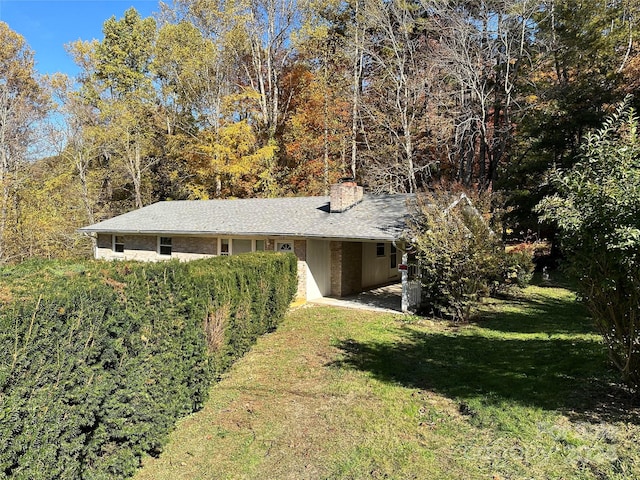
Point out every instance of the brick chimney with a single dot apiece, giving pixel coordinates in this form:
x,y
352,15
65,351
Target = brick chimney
x,y
345,195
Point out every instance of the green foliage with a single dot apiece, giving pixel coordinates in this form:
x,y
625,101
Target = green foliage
x,y
124,56
582,49
597,209
100,361
23,104
516,267
461,259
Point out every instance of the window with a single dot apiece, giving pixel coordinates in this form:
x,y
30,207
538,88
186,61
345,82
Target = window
x,y
285,247
240,246
236,246
224,246
118,244
380,249
165,245
393,257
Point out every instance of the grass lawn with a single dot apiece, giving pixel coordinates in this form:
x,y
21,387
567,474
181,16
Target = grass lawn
x,y
524,391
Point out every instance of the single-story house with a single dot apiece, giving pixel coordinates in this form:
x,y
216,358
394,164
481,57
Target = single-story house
x,y
345,243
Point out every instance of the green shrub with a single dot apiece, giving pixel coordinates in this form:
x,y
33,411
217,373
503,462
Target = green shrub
x,y
597,211
516,269
461,259
102,360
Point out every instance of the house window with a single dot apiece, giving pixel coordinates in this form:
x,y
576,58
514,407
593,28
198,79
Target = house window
x,y
380,249
239,245
118,244
236,246
165,245
224,246
285,247
393,257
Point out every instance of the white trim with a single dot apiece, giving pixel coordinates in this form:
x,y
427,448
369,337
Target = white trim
x,y
228,253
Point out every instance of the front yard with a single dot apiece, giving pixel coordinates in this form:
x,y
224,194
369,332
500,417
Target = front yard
x,y
522,392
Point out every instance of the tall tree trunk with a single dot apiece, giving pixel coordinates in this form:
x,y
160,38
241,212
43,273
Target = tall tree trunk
x,y
325,125
357,79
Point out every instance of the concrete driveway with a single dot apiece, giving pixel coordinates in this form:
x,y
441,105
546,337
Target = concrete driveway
x,y
382,299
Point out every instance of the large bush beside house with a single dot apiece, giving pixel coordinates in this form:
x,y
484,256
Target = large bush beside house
x,y
100,359
461,258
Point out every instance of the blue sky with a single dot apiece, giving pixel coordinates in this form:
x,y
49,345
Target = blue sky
x,y
47,25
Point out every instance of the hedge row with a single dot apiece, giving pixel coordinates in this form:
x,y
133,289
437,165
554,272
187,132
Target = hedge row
x,y
100,363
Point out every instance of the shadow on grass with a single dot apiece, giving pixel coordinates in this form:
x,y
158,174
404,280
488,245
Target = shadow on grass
x,y
538,314
564,373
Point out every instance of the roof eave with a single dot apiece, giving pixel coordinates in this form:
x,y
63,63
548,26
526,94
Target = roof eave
x,y
183,233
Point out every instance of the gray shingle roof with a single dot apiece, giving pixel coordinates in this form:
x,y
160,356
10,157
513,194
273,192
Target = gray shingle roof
x,y
379,217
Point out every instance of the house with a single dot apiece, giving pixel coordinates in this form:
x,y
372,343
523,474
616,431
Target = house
x,y
345,243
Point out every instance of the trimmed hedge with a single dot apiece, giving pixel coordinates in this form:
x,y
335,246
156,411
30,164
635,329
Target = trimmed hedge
x,y
101,359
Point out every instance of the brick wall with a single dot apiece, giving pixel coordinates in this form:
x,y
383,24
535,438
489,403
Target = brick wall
x,y
191,248
300,250
346,268
145,248
343,196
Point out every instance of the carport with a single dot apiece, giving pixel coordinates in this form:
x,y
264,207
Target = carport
x,y
381,299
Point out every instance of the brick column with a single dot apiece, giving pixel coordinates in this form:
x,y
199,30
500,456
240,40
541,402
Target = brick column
x,y
346,268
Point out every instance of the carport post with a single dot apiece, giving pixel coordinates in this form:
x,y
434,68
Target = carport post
x,y
405,283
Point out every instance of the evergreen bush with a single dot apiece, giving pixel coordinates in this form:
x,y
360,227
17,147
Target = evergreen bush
x,y
101,360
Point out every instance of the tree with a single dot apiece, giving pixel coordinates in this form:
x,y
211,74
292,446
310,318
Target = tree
x,y
583,49
252,51
226,162
397,96
23,102
317,133
117,82
75,143
484,47
357,57
191,72
49,213
597,211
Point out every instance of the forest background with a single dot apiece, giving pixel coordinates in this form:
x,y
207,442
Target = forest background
x,y
261,98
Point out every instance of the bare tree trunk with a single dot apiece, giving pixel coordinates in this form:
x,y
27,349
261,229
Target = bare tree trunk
x,y
4,168
82,168
325,125
482,48
357,79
